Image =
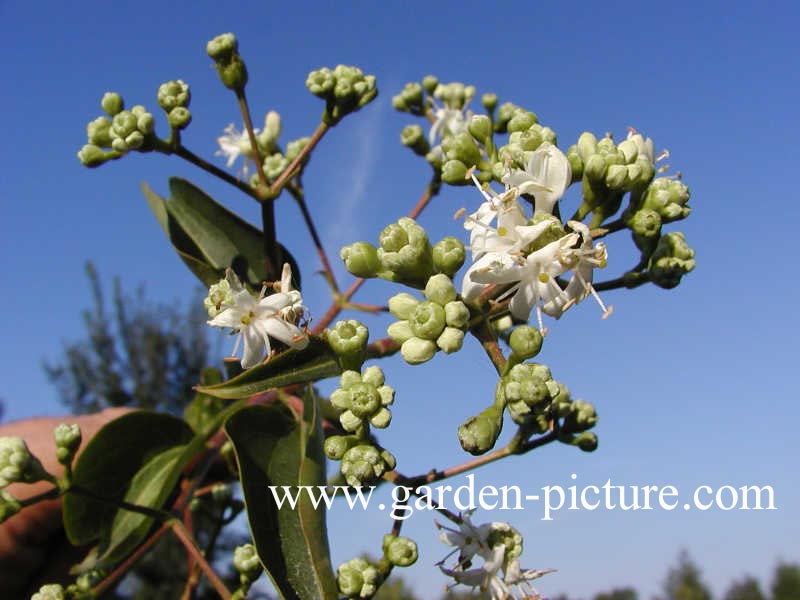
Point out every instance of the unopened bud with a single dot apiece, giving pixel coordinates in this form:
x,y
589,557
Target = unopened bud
x,y
479,434
112,103
361,259
525,341
448,255
400,551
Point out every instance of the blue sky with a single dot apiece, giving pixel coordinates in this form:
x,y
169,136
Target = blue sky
x,y
693,386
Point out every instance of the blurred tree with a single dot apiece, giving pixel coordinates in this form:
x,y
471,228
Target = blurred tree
x,y
618,594
136,353
746,589
684,582
786,582
395,588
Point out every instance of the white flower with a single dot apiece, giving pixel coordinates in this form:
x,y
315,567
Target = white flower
x,y
534,277
547,176
233,144
582,261
468,541
486,577
447,121
257,319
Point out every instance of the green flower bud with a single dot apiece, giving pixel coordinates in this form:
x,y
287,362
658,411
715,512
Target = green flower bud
x,y
440,289
98,132
179,118
489,102
454,172
363,463
294,148
480,127
646,171
361,259
582,416
575,163
222,47
246,562
403,305
135,140
616,177
527,389
549,136
668,197
671,260
606,146
413,137
321,83
51,591
587,145
406,251
400,551
362,398
479,434
504,114
119,145
525,342
412,95
146,123
233,74
138,110
428,320
17,464
416,351
530,139
68,440
123,124
112,103
430,83
400,331
450,340
435,159
336,445
448,255
94,156
268,138
505,535
274,165
349,340
461,147
586,441
357,579
645,223
456,314
381,419
629,150
9,506
173,93
594,168
521,120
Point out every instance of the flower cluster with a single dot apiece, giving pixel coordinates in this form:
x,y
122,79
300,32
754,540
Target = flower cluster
x,y
257,319
438,323
499,546
531,255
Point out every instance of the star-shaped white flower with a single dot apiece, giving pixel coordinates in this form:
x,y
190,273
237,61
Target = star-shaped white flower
x,y
233,144
468,540
582,261
257,319
511,232
533,276
547,176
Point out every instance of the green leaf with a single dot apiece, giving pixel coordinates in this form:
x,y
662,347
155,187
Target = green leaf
x,y
209,238
314,362
137,458
273,449
204,408
108,464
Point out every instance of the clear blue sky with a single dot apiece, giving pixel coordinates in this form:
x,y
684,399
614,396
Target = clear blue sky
x,y
694,386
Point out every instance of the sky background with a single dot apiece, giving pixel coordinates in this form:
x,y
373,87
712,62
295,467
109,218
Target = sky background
x,y
693,386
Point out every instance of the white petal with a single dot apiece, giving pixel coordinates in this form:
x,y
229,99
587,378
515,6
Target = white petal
x,y
254,343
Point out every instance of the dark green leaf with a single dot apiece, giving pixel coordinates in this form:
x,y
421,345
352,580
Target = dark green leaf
x,y
109,463
209,238
316,361
273,449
